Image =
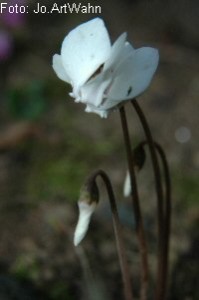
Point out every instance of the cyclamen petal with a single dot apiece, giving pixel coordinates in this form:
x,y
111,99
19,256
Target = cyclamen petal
x,y
103,77
59,68
93,92
116,51
85,213
84,49
134,74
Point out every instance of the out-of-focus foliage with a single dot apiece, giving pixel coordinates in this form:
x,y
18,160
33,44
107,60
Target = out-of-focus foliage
x,y
27,102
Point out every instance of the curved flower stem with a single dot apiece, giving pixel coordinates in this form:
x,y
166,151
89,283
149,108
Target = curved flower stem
x,y
166,209
118,234
167,212
136,207
160,288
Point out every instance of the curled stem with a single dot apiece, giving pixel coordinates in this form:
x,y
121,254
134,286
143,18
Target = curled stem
x,y
161,276
117,230
136,208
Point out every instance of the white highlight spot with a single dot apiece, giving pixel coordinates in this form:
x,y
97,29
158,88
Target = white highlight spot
x,y
182,134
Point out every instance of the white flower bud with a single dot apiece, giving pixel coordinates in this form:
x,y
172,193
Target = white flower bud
x,y
127,185
85,212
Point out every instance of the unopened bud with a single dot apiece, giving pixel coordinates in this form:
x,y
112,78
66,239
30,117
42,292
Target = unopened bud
x,y
89,197
139,157
127,185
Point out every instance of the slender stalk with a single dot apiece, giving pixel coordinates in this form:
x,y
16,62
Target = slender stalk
x,y
167,210
118,234
136,207
160,288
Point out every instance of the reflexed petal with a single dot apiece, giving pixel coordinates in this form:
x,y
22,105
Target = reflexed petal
x,y
125,53
85,49
134,74
59,68
116,51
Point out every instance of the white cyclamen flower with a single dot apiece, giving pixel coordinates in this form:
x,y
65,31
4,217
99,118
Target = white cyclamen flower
x,y
85,212
102,76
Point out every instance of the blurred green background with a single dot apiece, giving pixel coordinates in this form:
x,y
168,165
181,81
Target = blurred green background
x,y
49,145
